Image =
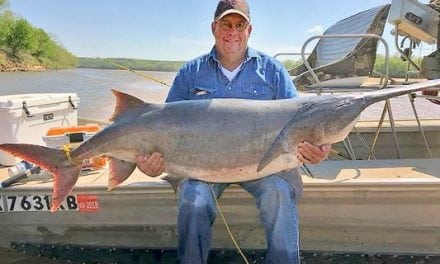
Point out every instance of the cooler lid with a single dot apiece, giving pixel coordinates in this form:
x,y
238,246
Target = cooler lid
x,y
35,99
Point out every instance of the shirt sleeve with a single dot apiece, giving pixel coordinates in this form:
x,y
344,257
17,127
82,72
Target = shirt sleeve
x,y
286,88
179,91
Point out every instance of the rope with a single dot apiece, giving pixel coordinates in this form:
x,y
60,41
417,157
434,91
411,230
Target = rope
x,y
67,152
66,149
135,72
227,227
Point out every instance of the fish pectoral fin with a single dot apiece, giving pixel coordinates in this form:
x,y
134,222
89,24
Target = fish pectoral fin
x,y
119,171
278,147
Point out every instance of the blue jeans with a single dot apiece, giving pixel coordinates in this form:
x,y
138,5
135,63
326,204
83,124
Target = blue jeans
x,y
278,213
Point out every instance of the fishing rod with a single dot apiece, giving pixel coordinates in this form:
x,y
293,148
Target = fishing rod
x,y
135,72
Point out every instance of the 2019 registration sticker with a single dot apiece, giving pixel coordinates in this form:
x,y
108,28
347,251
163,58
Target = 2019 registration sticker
x,y
87,203
41,203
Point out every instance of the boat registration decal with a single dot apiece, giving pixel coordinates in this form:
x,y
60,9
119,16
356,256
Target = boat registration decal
x,y
1,204
40,203
87,202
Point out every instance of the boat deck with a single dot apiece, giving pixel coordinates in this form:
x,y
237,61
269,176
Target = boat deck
x,y
350,206
330,173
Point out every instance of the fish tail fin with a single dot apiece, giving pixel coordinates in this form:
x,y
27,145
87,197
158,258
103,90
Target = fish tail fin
x,y
64,171
65,178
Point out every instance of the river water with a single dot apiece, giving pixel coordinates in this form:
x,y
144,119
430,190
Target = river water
x,y
92,87
97,102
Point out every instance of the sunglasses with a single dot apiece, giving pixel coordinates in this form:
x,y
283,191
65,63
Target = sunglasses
x,y
226,25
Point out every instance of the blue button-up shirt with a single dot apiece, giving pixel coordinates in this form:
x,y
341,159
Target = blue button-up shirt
x,y
260,77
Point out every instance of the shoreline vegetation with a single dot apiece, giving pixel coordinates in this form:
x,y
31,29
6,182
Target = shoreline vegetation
x,y
133,64
397,67
24,47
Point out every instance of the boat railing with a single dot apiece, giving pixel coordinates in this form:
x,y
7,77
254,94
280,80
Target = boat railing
x,y
340,36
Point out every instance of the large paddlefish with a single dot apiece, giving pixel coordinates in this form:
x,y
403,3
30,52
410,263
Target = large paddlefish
x,y
213,140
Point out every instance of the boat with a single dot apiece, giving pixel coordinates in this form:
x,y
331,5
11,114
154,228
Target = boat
x,y
351,207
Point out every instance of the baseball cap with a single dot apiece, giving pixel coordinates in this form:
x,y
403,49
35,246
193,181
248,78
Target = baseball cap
x,y
226,7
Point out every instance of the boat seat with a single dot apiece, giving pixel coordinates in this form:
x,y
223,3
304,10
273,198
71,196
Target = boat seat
x,y
336,58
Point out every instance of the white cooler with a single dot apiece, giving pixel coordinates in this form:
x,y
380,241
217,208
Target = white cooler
x,y
25,118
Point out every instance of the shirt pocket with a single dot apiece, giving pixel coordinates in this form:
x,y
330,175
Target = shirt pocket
x,y
256,91
199,92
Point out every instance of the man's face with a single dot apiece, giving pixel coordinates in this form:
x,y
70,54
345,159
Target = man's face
x,y
231,35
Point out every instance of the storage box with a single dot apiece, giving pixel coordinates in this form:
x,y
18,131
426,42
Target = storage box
x,y
25,118
415,19
72,137
57,137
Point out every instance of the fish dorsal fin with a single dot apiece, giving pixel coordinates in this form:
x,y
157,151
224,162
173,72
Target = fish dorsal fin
x,y
125,103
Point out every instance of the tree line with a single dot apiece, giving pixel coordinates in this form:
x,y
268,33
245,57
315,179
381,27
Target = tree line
x,y
22,42
133,64
397,67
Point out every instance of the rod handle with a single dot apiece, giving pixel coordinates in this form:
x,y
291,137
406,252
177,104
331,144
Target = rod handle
x,y
13,179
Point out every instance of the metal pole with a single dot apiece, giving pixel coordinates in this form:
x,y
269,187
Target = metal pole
x,y
425,140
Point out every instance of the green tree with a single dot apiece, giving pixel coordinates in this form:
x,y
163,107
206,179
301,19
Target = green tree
x,y
19,38
397,67
41,43
7,22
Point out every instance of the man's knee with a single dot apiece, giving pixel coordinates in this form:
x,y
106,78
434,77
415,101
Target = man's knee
x,y
195,197
279,193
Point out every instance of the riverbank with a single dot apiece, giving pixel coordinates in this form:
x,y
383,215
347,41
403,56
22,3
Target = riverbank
x,y
26,64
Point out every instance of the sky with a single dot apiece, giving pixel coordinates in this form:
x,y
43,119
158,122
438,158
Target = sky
x,y
180,30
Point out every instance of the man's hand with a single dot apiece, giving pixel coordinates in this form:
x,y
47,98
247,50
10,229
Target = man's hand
x,y
152,165
308,153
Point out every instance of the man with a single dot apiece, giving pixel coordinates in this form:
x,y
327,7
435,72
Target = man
x,y
430,68
233,70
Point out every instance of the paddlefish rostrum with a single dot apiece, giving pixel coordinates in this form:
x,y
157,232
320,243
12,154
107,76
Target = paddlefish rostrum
x,y
213,140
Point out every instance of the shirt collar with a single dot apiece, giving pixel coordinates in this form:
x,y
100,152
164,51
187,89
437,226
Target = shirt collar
x,y
250,53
